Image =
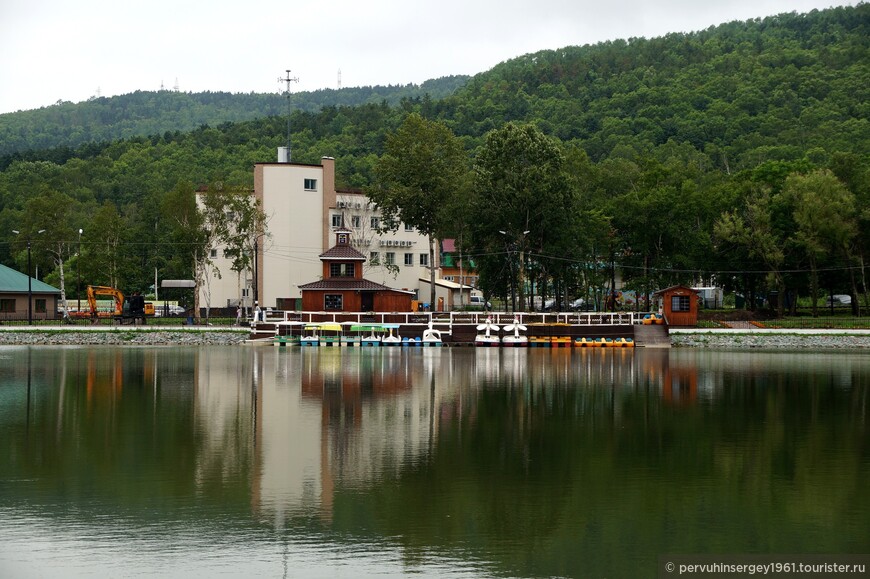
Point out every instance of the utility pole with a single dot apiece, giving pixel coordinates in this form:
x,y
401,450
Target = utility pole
x,y
79,279
29,280
288,80
256,285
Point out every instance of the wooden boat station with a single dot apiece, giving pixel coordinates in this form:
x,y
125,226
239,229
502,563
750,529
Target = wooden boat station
x,y
590,329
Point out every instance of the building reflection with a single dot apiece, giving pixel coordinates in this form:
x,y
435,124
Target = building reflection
x,y
329,418
333,415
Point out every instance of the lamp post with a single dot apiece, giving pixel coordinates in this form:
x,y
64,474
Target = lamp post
x,y
29,280
513,250
79,279
256,273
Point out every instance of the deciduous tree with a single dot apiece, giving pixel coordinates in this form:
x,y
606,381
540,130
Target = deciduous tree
x,y
420,172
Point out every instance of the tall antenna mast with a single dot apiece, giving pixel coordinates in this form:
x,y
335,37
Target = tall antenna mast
x,y
339,79
288,80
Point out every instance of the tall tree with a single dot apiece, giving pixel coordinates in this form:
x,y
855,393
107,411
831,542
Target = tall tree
x,y
420,172
824,211
753,228
186,236
51,212
104,239
246,225
521,199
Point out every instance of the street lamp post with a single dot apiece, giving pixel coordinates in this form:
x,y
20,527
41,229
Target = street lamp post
x,y
509,254
29,281
79,279
256,273
514,244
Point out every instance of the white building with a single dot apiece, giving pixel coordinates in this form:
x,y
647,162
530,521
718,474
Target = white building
x,y
303,208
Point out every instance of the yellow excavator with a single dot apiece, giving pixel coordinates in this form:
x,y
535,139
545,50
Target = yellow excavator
x,y
126,310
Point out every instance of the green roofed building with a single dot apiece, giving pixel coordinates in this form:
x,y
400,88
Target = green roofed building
x,y
461,271
13,297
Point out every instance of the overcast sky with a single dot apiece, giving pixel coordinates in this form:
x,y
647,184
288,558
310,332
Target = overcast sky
x,y
67,50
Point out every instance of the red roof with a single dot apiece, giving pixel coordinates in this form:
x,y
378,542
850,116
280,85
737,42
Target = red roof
x,y
343,252
673,288
347,284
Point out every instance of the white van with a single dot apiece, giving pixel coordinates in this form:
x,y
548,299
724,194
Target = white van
x,y
477,302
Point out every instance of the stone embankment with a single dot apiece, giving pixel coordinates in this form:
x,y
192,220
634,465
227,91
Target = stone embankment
x,y
122,337
831,340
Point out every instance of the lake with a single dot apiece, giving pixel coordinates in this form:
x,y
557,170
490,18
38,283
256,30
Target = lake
x,y
440,462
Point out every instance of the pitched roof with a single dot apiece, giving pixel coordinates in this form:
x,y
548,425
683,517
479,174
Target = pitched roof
x,y
343,252
12,281
445,283
674,287
347,284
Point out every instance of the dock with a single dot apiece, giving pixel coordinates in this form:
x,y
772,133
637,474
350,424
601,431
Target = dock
x,y
460,328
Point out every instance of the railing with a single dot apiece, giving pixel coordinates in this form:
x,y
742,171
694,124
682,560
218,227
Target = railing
x,y
423,318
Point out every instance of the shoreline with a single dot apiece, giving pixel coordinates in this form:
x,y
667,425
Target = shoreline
x,y
211,336
118,336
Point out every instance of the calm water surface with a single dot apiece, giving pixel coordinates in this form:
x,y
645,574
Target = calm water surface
x,y
237,462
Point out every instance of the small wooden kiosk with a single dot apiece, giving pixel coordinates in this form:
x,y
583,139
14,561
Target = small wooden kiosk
x,y
679,305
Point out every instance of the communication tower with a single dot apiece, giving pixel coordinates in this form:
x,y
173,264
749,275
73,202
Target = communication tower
x,y
288,80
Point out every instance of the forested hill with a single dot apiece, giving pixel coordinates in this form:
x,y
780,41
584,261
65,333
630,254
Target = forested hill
x,y
144,113
741,92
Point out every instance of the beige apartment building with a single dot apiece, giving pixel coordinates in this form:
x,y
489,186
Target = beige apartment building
x,y
303,209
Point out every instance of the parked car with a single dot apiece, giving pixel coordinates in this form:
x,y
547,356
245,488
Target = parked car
x,y
173,310
551,306
838,300
477,302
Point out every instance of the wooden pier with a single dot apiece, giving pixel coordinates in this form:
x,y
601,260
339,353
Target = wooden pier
x,y
460,328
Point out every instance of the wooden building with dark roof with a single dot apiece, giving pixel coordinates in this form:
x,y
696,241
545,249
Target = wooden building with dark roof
x,y
343,289
679,304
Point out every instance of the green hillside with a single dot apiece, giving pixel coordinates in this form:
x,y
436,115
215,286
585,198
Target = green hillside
x,y
672,147
741,92
146,113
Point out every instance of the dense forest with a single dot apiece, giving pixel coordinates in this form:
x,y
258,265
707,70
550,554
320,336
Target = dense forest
x,y
737,155
144,113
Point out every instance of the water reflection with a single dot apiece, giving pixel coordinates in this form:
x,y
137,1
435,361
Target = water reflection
x,y
523,462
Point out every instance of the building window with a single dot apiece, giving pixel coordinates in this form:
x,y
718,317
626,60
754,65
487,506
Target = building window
x,y
332,302
409,227
246,292
375,257
213,254
7,306
391,258
341,270
356,221
680,303
310,184
39,306
424,259
448,278
338,220
409,259
375,222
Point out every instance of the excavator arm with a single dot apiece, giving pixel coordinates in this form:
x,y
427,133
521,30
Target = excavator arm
x,y
99,290
132,310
